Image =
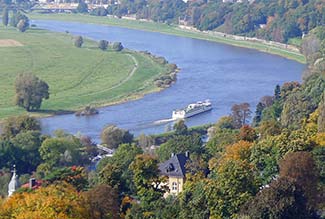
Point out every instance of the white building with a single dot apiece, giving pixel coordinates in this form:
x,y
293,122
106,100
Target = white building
x,y
14,183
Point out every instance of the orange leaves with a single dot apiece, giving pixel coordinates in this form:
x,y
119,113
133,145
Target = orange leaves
x,y
238,151
55,201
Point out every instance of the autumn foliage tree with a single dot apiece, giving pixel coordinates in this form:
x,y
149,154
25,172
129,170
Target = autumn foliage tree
x,y
301,167
103,202
54,201
240,114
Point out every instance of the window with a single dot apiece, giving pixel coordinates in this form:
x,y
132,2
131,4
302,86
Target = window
x,y
174,186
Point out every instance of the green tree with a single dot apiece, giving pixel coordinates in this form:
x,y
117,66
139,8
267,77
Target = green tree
x,y
319,157
28,143
180,144
147,180
258,114
114,171
14,125
103,44
58,152
78,41
113,136
235,182
193,201
16,17
321,117
82,7
117,46
5,16
75,176
30,91
277,92
180,127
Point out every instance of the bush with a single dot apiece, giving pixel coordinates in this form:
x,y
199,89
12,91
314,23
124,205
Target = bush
x,y
117,46
103,44
78,41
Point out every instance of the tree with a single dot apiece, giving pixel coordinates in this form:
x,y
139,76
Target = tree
x,y
14,125
60,152
54,201
75,176
28,144
82,7
5,16
22,25
16,17
319,157
282,199
78,41
277,92
240,114
113,136
232,184
103,44
180,128
30,91
114,171
301,167
103,202
258,114
117,46
247,133
321,117
180,144
147,180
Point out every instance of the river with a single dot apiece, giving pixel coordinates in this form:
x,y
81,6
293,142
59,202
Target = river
x,y
224,74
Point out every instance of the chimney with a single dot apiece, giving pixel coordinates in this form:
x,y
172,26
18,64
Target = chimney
x,y
32,182
172,155
187,154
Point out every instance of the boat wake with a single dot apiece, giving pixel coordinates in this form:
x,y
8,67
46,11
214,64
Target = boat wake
x,y
162,121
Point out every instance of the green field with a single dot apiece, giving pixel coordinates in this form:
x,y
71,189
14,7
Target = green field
x,y
169,29
77,76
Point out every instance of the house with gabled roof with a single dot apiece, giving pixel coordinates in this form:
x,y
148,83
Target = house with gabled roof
x,y
175,170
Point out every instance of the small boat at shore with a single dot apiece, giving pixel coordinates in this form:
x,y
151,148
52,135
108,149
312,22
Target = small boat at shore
x,y
192,110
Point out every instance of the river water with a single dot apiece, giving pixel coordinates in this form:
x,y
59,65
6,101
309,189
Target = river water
x,y
224,74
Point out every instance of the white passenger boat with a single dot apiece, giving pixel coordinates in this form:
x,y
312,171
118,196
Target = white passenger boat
x,y
192,110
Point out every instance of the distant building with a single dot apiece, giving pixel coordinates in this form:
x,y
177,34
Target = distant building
x,y
174,169
14,183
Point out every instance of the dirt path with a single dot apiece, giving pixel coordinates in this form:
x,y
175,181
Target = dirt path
x,y
9,43
132,72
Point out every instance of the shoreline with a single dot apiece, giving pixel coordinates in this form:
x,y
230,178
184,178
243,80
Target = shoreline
x,y
147,86
134,97
176,30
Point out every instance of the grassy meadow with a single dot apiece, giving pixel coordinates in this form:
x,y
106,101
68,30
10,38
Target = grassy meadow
x,y
76,76
169,29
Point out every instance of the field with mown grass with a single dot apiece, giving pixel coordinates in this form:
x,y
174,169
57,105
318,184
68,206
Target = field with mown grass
x,y
169,29
77,77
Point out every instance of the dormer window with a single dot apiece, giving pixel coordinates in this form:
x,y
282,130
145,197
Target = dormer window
x,y
169,168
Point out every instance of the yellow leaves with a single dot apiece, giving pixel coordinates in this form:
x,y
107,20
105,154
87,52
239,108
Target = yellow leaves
x,y
55,201
238,151
320,139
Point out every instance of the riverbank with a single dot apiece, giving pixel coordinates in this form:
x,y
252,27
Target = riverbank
x,y
77,77
175,30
